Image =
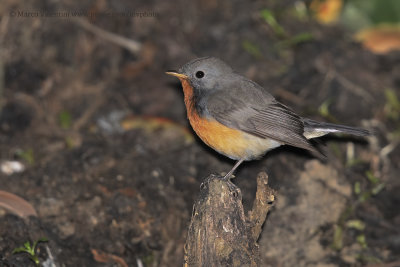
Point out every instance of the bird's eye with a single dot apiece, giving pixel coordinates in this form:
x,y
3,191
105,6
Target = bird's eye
x,y
199,74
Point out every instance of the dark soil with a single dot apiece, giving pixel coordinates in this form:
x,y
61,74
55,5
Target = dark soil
x,y
113,168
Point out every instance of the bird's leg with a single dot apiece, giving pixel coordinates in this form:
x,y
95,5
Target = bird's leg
x,y
229,174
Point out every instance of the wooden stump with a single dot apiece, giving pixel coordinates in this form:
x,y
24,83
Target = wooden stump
x,y
219,233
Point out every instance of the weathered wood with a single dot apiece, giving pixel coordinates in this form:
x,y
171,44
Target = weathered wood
x,y
219,233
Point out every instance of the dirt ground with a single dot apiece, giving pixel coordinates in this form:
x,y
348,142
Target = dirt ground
x,y
112,167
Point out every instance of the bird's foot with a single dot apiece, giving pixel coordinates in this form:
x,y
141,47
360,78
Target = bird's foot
x,y
227,179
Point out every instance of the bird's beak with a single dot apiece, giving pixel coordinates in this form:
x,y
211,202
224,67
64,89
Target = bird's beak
x,y
177,74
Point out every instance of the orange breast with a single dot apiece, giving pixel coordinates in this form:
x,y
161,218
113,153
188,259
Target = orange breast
x,y
230,142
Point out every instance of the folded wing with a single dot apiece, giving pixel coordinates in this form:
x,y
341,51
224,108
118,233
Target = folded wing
x,y
256,112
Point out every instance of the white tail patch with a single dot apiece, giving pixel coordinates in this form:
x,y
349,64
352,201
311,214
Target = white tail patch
x,y
318,132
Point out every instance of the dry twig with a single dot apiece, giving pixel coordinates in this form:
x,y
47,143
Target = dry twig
x,y
127,43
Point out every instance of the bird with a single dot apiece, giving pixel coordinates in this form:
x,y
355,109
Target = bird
x,y
239,118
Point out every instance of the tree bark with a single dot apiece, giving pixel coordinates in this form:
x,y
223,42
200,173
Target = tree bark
x,y
219,233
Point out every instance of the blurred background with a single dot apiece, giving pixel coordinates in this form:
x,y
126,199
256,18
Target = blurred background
x,y
97,156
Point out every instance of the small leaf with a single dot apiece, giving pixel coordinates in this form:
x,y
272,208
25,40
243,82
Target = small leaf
x,y
377,189
362,241
269,18
338,238
392,99
357,188
356,224
108,258
16,204
326,11
300,10
36,261
380,39
65,119
18,250
27,245
324,108
297,39
372,178
392,106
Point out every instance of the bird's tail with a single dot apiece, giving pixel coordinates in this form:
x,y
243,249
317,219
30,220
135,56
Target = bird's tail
x,y
314,129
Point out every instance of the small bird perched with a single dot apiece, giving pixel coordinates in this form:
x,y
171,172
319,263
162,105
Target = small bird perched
x,y
240,119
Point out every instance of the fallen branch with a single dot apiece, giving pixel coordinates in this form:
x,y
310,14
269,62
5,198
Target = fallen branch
x,y
129,44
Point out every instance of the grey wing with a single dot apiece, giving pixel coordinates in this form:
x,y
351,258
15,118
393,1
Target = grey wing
x,y
263,117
